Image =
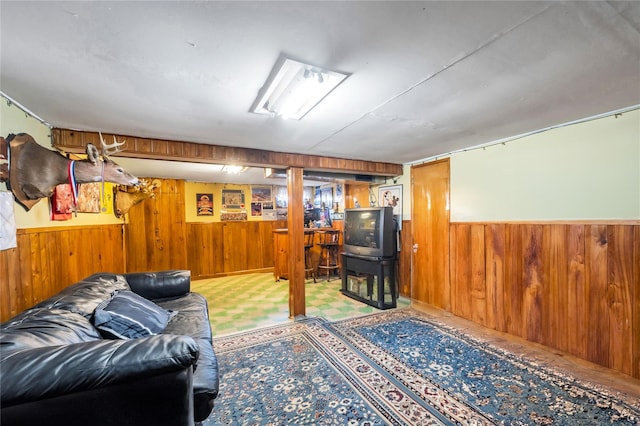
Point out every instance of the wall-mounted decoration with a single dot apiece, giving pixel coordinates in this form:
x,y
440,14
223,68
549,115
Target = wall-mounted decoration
x,y
326,196
282,197
61,202
317,198
269,214
229,216
4,161
204,203
233,199
338,201
391,196
35,171
125,197
260,194
256,209
89,197
7,222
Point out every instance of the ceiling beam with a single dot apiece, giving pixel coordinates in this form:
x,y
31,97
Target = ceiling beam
x,y
75,141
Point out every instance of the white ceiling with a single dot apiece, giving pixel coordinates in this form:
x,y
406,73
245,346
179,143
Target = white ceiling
x,y
427,78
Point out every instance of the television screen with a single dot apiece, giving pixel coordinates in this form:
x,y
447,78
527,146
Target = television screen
x,y
370,232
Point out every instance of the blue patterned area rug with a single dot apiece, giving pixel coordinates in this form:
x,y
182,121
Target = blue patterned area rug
x,y
394,368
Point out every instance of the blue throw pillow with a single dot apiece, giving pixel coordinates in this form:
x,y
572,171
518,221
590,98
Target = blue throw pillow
x,y
129,316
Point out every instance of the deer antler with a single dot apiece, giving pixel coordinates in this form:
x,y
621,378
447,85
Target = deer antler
x,y
108,150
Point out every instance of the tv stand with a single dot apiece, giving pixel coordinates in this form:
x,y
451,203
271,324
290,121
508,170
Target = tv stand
x,y
371,280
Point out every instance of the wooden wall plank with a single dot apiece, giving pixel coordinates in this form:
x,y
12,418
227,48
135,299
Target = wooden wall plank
x,y
577,295
596,246
554,325
461,289
20,290
46,288
533,282
7,260
513,295
495,276
620,296
457,270
404,261
478,291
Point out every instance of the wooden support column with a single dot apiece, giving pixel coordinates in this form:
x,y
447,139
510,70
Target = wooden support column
x,y
295,219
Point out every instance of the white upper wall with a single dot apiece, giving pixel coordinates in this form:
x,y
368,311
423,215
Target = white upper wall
x,y
586,171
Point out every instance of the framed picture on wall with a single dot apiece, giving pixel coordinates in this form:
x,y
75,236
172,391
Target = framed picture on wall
x,y
204,204
256,209
232,199
260,194
391,196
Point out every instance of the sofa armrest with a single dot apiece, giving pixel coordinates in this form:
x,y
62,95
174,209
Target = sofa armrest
x,y
160,285
161,400
56,370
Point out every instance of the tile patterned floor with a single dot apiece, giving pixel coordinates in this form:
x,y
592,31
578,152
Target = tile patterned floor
x,y
244,302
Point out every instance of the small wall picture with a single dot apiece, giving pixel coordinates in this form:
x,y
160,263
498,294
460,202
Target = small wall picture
x,y
89,197
260,194
256,209
391,195
233,216
232,199
204,203
269,214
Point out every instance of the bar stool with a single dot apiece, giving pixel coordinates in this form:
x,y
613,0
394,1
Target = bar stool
x,y
329,241
309,235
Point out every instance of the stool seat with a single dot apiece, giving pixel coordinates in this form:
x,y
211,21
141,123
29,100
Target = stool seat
x,y
309,235
329,242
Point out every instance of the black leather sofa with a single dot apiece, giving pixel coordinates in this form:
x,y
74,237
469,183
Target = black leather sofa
x,y
56,367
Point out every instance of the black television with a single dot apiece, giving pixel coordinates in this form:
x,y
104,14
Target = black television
x,y
370,232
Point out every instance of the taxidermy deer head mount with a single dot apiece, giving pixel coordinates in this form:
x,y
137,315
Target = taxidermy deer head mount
x,y
34,171
125,197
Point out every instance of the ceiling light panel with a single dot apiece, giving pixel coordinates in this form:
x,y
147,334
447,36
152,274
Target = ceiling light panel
x,y
294,88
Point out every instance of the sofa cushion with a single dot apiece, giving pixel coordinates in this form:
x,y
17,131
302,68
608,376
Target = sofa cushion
x,y
130,316
192,318
84,296
46,327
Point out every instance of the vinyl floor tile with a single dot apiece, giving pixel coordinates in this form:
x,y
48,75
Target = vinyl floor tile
x,y
244,302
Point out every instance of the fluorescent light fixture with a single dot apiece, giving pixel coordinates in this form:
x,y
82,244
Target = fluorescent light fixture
x,y
294,88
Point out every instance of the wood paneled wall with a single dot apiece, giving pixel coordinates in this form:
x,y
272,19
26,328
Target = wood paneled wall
x,y
222,248
46,260
156,233
404,260
573,287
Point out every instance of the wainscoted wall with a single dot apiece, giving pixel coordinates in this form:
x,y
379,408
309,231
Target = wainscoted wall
x,y
404,260
46,260
570,286
155,234
221,248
